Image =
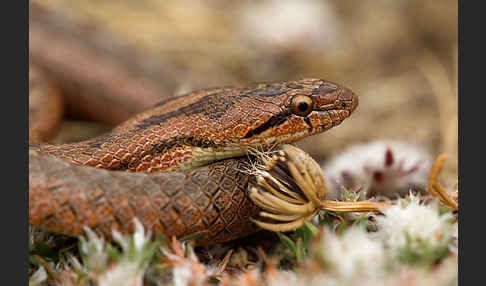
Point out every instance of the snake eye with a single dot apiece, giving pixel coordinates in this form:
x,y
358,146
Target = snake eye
x,y
302,105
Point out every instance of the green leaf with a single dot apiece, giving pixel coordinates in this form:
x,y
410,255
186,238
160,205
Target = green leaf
x,y
288,242
113,252
312,228
425,254
299,251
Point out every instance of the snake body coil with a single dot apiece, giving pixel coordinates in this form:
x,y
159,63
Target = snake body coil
x,y
200,137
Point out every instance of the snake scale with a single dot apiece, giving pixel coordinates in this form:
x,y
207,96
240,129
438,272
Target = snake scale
x,y
182,159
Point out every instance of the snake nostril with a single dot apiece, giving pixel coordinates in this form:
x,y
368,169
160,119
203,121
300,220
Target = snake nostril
x,y
350,98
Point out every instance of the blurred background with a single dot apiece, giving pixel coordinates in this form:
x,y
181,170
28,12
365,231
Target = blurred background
x,y
400,56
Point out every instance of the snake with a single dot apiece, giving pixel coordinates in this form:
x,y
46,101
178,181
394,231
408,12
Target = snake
x,y
177,165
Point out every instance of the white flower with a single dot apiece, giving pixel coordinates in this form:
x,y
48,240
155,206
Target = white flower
x,y
189,272
186,268
446,273
124,273
353,253
130,266
182,274
384,167
38,277
249,278
283,278
453,245
140,239
93,250
421,223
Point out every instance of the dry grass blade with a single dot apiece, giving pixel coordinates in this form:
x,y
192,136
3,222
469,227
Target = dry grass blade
x,y
222,265
434,187
353,206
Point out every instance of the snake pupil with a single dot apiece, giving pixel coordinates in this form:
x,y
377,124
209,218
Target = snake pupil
x,y
303,106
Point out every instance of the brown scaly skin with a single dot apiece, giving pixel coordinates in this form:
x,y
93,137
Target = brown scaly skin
x,y
64,197
174,131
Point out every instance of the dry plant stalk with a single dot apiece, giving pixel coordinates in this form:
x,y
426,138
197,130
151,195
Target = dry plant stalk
x,y
435,188
293,190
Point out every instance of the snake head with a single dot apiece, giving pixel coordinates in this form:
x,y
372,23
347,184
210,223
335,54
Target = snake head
x,y
303,108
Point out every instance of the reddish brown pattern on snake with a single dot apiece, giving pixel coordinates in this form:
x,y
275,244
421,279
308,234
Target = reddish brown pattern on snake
x,y
64,197
87,200
164,136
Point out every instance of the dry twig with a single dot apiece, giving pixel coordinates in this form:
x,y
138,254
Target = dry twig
x,y
435,188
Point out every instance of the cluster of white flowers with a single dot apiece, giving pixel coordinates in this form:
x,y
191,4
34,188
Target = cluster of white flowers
x,y
39,276
414,223
130,265
187,270
124,273
361,256
446,274
93,249
283,278
353,257
383,167
350,254
135,258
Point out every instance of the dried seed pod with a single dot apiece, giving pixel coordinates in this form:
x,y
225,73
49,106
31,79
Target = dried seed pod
x,y
293,190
